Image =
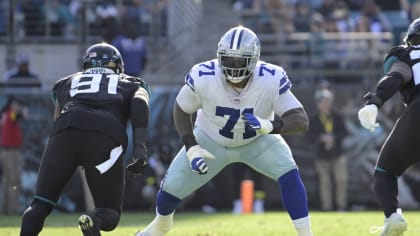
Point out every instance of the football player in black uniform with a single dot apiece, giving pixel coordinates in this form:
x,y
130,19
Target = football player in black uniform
x,y
92,108
401,149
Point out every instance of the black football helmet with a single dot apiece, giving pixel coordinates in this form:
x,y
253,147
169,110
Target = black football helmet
x,y
413,33
103,55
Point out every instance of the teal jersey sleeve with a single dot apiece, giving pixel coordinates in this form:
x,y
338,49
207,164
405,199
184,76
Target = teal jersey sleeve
x,y
53,96
388,63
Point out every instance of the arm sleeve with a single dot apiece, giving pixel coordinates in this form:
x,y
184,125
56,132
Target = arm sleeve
x,y
139,115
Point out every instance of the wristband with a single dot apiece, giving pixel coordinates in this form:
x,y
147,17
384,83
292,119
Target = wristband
x,y
277,125
189,141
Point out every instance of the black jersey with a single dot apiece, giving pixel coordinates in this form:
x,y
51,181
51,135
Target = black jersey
x,y
96,101
411,56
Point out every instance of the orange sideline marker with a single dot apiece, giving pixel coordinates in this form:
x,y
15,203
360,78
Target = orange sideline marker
x,y
247,196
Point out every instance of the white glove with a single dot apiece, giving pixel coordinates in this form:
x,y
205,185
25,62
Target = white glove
x,y
196,156
367,117
262,126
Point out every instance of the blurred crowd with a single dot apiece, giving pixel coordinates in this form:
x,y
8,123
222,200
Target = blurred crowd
x,y
64,17
285,16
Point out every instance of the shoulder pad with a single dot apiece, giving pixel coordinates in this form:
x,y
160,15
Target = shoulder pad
x,y
397,51
62,80
276,74
137,80
59,83
201,70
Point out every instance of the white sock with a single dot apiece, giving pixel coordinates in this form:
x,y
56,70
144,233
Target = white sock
x,y
160,225
303,226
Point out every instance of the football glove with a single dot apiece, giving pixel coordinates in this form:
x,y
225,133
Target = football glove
x,y
262,126
196,156
367,117
137,166
139,162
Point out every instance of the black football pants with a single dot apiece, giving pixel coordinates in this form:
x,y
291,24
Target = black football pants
x,y
402,147
71,148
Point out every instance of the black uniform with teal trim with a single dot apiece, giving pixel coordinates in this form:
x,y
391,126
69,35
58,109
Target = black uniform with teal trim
x,y
402,148
94,111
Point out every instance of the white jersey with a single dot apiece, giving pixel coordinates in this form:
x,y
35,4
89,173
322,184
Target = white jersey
x,y
220,107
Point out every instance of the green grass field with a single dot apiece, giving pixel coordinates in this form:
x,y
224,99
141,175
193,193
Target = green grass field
x,y
221,224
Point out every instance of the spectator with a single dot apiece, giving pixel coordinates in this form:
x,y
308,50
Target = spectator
x,y
302,18
280,15
377,20
132,47
60,19
326,132
107,12
317,27
11,157
343,19
326,8
33,17
21,75
414,10
140,14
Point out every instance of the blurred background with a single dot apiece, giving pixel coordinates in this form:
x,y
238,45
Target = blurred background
x,y
339,45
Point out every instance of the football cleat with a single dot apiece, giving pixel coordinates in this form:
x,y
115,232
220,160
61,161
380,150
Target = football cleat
x,y
394,225
87,226
141,233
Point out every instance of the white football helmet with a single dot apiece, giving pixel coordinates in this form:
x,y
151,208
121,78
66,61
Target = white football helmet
x,y
238,52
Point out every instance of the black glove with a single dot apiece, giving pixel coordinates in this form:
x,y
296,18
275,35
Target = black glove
x,y
137,166
139,162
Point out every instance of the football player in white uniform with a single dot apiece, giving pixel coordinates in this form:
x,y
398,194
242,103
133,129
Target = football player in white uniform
x,y
243,107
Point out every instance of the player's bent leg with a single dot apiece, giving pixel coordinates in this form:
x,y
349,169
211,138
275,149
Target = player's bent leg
x,y
295,201
386,190
109,218
163,221
34,217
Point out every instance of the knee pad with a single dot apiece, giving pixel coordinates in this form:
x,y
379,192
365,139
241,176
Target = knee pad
x,y
109,218
34,217
166,203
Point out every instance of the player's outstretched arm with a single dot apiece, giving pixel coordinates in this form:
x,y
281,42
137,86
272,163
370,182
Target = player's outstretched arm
x,y
139,120
399,74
